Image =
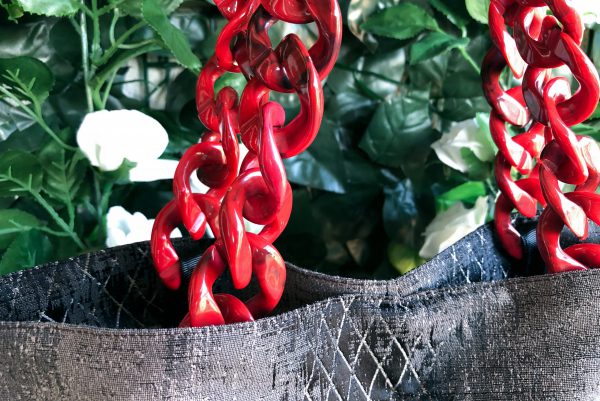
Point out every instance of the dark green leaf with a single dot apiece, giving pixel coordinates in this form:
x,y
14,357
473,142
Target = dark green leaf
x,y
478,10
26,39
433,44
477,169
400,22
460,109
50,8
454,10
400,212
172,37
20,173
14,10
328,165
26,74
12,223
466,193
400,132
29,249
134,7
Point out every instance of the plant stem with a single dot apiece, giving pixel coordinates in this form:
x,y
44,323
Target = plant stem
x,y
109,85
59,221
36,114
469,59
104,75
116,45
96,49
113,24
69,232
85,58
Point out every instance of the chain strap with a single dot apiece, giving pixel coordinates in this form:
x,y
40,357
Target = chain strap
x,y
546,152
258,191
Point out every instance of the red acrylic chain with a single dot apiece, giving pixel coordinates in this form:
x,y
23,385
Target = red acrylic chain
x,y
256,188
548,152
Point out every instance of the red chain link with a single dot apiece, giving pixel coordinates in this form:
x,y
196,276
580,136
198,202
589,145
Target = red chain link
x,y
547,152
258,191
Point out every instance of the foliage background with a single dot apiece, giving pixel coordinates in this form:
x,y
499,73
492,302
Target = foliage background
x,y
363,193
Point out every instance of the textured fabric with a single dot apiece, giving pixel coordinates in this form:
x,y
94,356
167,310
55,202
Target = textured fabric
x,y
461,327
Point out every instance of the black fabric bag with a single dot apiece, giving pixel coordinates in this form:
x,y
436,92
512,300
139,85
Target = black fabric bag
x,y
461,327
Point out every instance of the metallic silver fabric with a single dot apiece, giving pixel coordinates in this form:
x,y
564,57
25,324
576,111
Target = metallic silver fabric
x,y
461,327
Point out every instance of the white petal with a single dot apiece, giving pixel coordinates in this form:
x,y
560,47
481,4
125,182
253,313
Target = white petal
x,y
465,134
90,134
142,137
115,237
449,155
153,170
109,158
451,225
108,137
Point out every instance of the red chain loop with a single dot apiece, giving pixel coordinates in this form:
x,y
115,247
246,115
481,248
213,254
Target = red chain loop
x,y
547,153
256,189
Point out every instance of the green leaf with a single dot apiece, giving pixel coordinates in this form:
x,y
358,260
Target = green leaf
x,y
328,165
400,22
434,43
14,10
401,212
478,10
455,11
173,38
403,258
477,169
12,223
50,8
26,77
591,130
236,81
466,193
62,176
29,249
400,133
20,173
134,7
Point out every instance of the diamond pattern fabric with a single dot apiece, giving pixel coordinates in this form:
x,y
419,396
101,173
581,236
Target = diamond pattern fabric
x,y
465,326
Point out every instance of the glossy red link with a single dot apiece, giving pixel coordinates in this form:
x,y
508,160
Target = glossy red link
x,y
507,233
549,232
544,42
572,109
502,38
257,191
510,105
299,133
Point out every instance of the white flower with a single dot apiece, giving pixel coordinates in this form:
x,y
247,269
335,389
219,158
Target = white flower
x,y
124,228
465,134
153,170
590,9
452,225
107,138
